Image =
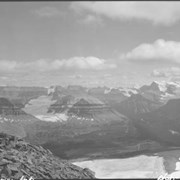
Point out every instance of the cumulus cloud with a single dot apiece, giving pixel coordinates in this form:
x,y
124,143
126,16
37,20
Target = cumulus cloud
x,y
78,63
160,50
166,72
48,12
6,66
164,13
83,63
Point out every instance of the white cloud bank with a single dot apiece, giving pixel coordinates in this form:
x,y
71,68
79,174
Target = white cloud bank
x,y
166,72
160,50
164,13
81,63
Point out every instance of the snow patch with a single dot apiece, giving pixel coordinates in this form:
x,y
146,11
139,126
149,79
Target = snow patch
x,y
53,117
128,91
174,132
107,91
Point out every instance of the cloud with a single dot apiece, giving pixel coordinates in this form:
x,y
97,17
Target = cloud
x,y
160,50
166,72
77,63
48,12
7,66
4,78
76,76
44,65
164,13
91,19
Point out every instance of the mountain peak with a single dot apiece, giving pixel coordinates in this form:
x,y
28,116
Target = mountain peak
x,y
82,102
155,86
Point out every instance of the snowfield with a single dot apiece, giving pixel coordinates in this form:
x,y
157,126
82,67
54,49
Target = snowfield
x,y
135,167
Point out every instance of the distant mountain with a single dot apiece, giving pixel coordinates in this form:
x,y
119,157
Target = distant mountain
x,y
13,120
161,91
21,95
98,90
173,88
76,119
163,123
19,158
55,91
94,111
154,86
104,94
75,89
128,91
84,107
58,91
136,104
108,95
61,104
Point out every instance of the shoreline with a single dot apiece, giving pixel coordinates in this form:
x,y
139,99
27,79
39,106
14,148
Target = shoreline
x,y
125,155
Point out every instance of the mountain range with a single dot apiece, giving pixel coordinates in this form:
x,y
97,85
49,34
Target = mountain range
x,y
76,121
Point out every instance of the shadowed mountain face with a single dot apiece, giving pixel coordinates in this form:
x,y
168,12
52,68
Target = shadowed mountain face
x,y
154,112
19,158
12,119
152,92
7,108
136,104
153,87
163,123
149,98
21,95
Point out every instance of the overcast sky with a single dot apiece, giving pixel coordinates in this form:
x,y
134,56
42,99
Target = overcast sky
x,y
89,43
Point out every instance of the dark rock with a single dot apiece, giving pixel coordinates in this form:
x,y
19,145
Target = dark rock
x,y
23,159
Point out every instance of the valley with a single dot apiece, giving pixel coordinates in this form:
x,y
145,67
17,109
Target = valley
x,y
77,123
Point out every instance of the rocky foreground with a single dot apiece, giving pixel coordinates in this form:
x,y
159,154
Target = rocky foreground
x,y
19,158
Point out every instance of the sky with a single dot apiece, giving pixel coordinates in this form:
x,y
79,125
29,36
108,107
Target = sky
x,y
125,43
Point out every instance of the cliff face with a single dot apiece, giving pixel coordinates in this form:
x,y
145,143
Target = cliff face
x,y
7,108
18,158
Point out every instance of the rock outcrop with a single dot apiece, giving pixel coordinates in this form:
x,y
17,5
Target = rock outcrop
x,y
19,158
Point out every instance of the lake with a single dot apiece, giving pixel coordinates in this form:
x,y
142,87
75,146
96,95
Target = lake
x,y
142,166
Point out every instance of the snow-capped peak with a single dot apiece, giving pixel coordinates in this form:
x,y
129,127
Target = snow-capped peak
x,y
161,85
176,84
51,90
128,91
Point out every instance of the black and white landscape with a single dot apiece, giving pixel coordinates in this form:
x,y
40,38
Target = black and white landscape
x,y
89,89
